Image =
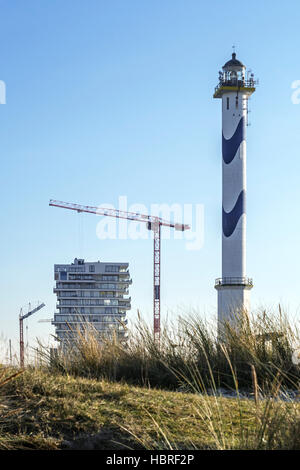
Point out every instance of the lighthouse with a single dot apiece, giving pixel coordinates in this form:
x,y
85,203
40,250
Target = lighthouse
x,y
235,86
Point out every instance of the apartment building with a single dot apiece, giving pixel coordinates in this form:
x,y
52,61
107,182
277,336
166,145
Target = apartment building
x,y
91,293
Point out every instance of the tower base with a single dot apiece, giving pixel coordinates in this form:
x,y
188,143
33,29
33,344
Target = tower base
x,y
233,300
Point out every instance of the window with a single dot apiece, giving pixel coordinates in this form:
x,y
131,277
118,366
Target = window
x,y
92,268
112,269
80,276
110,278
76,269
227,104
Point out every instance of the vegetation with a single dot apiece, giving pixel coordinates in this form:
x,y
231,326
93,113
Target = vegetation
x,y
141,395
189,350
43,410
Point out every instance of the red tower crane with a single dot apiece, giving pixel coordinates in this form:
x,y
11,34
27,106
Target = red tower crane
x,y
153,223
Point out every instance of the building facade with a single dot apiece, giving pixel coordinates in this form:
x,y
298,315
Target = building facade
x,y
91,294
235,87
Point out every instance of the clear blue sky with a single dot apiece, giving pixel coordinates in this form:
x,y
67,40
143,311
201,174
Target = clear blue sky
x,y
115,98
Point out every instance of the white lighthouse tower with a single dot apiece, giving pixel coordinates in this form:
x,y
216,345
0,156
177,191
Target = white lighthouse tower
x,y
234,88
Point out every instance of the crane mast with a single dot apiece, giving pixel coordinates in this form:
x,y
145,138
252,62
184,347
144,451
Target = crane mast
x,y
153,223
156,282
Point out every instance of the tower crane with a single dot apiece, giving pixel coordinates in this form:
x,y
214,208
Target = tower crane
x,y
153,223
21,319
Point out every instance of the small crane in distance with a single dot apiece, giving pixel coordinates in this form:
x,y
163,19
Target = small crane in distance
x,y
21,319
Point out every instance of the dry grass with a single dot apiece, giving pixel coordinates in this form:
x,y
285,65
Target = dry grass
x,y
111,395
42,410
53,411
53,408
265,342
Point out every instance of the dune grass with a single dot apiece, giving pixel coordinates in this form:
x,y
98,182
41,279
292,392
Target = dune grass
x,y
44,410
141,395
189,347
52,408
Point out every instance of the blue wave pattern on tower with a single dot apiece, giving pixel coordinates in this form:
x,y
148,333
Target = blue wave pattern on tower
x,y
233,287
231,146
230,219
230,149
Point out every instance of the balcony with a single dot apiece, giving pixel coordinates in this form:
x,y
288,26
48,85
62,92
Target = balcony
x,y
96,323
234,84
93,302
126,306
124,281
234,281
85,318
121,288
